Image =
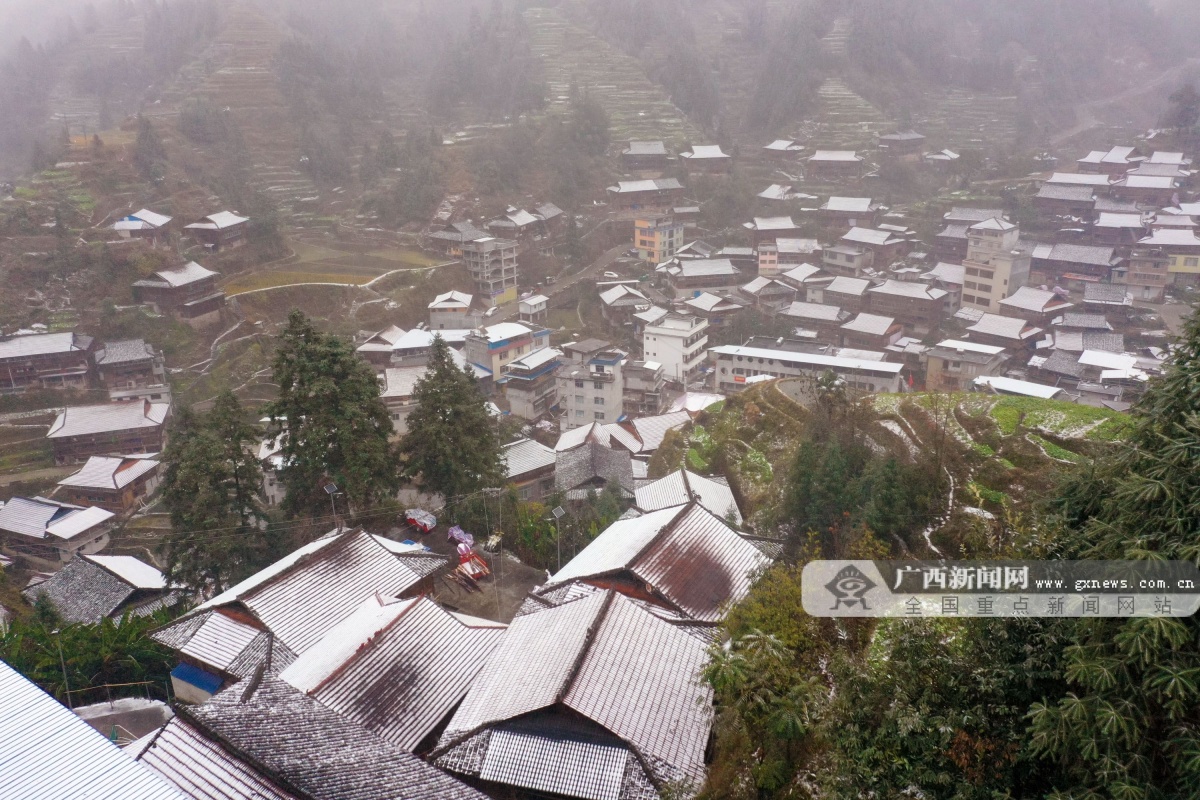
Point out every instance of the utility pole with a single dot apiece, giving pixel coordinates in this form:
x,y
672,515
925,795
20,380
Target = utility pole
x,y
331,489
62,663
558,515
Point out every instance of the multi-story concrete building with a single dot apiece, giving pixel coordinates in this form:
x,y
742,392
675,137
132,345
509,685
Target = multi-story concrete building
x,y
953,365
691,277
644,395
995,267
453,311
850,260
677,342
492,264
594,391
529,383
534,309
493,347
656,237
1181,247
735,365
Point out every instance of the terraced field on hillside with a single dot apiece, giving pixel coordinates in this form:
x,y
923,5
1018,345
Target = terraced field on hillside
x,y
637,108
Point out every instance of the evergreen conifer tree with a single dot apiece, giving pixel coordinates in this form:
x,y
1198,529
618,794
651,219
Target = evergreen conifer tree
x,y
451,444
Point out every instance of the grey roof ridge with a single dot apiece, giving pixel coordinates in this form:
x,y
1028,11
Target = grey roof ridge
x,y
181,709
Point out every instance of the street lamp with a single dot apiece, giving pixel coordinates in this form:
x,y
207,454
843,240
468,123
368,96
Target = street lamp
x,y
558,514
62,663
331,489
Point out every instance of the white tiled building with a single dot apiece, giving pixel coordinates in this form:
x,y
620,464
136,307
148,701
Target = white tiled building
x,y
677,342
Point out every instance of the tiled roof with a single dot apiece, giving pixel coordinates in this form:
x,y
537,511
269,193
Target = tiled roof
x,y
835,155
660,185
451,299
396,667
969,214
1075,194
1079,319
83,591
645,149
912,289
126,351
592,461
705,151
623,295
198,764
1081,254
291,737
48,753
1063,363
1109,293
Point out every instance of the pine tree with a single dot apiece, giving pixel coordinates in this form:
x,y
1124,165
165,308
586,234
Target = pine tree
x,y
451,443
334,424
1130,725
149,155
211,490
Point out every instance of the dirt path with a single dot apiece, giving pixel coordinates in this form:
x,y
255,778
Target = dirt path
x,y
37,474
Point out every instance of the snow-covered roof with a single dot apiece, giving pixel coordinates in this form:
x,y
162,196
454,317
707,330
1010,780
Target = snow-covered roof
x,y
705,151
869,236
190,272
783,146
1004,385
771,224
835,155
1113,220
993,224
912,289
871,324
847,204
451,299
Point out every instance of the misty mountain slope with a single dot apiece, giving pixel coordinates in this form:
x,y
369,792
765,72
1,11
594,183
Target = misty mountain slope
x,y
637,108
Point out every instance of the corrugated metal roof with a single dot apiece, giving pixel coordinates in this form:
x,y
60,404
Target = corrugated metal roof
x,y
219,641
524,456
396,667
302,604
682,486
109,472
700,564
201,767
30,516
640,679
652,430
1029,298
531,666
618,547
71,525
576,437
107,418
817,311
190,272
134,571
872,324
1011,386
48,753
284,733
41,344
847,204
1013,328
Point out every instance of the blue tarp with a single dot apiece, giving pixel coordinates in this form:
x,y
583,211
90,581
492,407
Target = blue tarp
x,y
198,678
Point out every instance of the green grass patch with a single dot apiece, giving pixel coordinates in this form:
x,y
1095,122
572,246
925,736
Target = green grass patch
x,y
1055,451
25,193
982,449
986,494
1007,417
696,461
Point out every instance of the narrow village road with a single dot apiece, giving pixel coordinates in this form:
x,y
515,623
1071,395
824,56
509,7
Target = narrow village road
x,y
566,282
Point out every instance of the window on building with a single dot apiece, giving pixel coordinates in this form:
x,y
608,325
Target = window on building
x,y
578,384
597,401
1191,262
579,398
579,412
597,384
599,415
